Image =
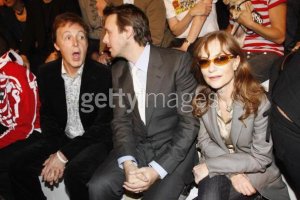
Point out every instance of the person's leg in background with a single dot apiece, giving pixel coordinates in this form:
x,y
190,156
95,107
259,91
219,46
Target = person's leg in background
x,y
107,181
286,139
7,155
261,64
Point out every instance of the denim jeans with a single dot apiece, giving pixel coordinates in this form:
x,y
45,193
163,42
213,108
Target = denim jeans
x,y
217,188
220,188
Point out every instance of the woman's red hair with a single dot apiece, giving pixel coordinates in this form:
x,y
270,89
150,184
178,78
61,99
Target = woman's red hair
x,y
246,89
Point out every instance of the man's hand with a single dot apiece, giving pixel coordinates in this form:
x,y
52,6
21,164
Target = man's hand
x,y
25,61
52,56
134,181
200,172
296,47
241,184
147,175
53,169
104,58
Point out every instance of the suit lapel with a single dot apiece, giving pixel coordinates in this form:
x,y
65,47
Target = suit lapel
x,y
236,125
154,81
59,88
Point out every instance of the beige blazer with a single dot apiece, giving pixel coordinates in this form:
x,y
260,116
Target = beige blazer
x,y
253,155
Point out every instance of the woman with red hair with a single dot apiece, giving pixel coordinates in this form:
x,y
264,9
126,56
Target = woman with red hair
x,y
236,156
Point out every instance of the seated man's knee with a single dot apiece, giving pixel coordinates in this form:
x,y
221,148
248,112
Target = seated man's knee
x,y
103,187
97,183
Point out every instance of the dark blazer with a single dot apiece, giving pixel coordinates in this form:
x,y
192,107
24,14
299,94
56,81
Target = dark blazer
x,y
96,79
170,129
253,155
286,93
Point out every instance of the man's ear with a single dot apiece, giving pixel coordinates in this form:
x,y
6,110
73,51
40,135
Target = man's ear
x,y
56,47
129,31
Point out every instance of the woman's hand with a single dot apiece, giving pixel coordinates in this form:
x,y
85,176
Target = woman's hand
x,y
241,184
245,17
200,172
201,9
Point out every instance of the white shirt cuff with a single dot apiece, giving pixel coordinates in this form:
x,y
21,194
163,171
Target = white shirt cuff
x,y
161,171
122,159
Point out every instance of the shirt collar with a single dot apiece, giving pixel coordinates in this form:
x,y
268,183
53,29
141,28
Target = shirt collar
x,y
128,1
143,61
64,72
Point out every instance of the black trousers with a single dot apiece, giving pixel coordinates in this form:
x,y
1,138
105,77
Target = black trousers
x,y
286,139
7,156
261,64
107,181
25,171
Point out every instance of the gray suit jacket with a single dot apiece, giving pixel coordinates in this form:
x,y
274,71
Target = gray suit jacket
x,y
170,130
253,155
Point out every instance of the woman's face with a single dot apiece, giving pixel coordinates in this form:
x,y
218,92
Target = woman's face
x,y
100,5
218,66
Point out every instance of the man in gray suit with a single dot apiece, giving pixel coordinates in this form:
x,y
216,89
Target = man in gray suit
x,y
153,128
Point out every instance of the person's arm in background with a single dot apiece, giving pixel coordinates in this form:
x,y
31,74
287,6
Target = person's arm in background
x,y
24,106
274,33
156,14
197,24
179,26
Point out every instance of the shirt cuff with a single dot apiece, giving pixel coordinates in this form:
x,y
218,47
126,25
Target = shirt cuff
x,y
161,171
122,159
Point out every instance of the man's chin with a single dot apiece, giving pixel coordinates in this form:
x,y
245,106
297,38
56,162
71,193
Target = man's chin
x,y
77,64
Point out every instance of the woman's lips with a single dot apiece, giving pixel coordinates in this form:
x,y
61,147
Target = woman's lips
x,y
214,77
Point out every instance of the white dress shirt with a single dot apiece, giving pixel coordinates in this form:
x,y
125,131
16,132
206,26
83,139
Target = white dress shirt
x,y
139,77
128,1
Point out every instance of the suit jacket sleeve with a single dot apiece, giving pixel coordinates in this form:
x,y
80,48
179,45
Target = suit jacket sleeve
x,y
123,139
259,157
186,131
